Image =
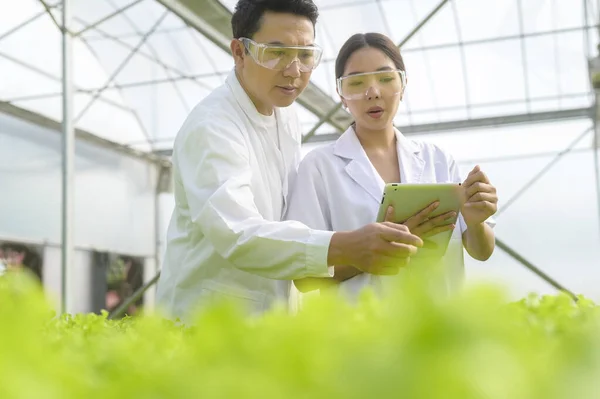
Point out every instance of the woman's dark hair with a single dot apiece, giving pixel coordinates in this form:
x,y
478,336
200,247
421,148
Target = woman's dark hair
x,y
363,40
248,14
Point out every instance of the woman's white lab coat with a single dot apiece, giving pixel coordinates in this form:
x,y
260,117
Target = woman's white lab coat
x,y
225,239
337,188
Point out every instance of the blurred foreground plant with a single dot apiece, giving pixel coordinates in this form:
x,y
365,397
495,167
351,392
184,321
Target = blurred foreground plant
x,y
474,345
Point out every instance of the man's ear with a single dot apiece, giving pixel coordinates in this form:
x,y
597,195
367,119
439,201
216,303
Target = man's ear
x,y
237,51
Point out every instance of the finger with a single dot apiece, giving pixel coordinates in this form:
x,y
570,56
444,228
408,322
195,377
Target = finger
x,y
436,230
401,250
401,237
396,226
482,196
471,173
421,216
478,176
396,250
441,219
473,177
479,186
389,214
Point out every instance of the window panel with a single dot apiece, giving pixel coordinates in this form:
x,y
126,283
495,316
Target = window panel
x,y
363,17
541,58
440,29
495,72
447,77
107,121
487,19
572,65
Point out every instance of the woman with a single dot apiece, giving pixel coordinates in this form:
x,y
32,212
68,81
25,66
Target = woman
x,y
339,186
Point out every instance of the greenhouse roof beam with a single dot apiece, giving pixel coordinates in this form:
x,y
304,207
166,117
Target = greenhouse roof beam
x,y
49,12
80,134
213,20
106,18
577,113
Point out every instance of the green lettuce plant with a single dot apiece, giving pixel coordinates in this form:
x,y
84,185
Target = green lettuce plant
x,y
413,345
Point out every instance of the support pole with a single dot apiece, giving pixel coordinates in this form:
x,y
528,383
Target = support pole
x,y
596,148
68,147
500,244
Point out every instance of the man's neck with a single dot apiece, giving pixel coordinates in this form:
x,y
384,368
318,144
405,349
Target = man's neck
x,y
260,107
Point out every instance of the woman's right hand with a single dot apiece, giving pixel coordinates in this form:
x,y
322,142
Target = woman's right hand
x,y
420,224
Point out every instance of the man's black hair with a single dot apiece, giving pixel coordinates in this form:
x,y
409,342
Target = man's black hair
x,y
248,14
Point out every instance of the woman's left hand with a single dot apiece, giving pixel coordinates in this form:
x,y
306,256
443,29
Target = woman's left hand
x,y
481,198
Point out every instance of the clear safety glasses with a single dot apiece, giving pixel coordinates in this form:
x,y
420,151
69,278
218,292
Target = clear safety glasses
x,y
384,83
280,57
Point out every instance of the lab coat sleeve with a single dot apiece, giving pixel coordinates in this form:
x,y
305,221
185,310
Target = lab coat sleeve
x,y
213,161
456,178
307,202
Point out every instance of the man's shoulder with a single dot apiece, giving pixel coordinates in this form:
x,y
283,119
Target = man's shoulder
x,y
219,105
217,111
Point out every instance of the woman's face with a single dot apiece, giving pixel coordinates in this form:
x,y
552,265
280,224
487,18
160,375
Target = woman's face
x,y
375,98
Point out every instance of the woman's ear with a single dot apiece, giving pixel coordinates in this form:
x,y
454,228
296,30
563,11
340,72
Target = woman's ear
x,y
403,90
341,98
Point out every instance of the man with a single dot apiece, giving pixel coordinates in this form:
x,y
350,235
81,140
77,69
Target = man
x,y
233,162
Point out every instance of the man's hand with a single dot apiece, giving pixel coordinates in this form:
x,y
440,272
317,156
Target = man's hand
x,y
482,200
345,272
378,248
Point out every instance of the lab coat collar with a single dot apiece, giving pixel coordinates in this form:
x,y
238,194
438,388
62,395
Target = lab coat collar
x,y
285,128
409,158
248,106
360,169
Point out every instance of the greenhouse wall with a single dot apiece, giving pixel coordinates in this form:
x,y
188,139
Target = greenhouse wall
x,y
114,207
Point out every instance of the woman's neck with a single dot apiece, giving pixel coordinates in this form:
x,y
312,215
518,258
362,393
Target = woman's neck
x,y
376,139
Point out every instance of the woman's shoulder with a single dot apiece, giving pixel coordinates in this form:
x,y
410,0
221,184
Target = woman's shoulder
x,y
320,154
431,150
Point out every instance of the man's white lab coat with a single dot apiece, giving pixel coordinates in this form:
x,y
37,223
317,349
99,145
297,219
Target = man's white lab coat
x,y
338,188
226,239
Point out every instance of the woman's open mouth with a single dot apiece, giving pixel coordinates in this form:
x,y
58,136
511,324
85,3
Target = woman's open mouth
x,y
375,112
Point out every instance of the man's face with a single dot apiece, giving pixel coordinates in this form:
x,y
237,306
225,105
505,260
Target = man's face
x,y
270,88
